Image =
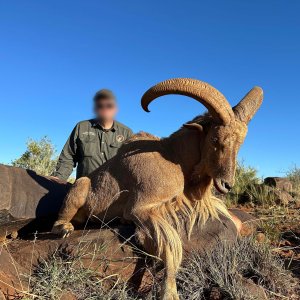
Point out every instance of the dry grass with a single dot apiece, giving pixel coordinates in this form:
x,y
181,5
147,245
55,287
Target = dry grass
x,y
222,269
64,271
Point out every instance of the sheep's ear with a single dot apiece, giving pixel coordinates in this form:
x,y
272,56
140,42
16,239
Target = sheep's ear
x,y
194,126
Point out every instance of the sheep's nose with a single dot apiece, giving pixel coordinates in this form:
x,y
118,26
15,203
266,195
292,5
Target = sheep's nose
x,y
227,186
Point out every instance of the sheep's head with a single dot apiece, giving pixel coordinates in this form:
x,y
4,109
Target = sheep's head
x,y
226,133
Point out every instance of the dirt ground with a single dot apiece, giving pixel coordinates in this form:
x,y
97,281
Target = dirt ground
x,y
281,227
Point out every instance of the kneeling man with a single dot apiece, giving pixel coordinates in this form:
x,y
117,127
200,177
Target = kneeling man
x,y
94,141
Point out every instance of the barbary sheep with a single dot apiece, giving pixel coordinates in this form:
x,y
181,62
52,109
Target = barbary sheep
x,y
164,185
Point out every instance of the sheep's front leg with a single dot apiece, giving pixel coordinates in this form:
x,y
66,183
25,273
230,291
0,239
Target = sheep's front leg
x,y
75,199
160,238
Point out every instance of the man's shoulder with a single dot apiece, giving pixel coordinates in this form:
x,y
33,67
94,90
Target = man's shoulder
x,y
85,123
121,126
83,126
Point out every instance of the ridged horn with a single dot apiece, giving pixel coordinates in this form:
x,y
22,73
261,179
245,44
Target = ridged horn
x,y
248,106
203,92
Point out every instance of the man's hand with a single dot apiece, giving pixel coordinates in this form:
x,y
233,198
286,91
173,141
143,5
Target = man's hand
x,y
54,178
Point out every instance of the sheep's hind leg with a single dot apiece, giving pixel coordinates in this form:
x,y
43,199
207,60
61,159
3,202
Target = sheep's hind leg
x,y
159,238
74,200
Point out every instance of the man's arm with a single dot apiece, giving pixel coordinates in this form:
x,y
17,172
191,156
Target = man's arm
x,y
68,158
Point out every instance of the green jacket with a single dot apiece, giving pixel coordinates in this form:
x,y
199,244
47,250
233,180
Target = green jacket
x,y
89,146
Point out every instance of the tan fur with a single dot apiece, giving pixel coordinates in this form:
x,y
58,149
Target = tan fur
x,y
163,186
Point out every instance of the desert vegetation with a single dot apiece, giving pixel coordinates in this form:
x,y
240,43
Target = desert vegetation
x,y
228,272
64,273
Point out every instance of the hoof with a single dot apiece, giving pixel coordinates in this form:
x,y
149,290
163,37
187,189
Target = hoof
x,y
63,230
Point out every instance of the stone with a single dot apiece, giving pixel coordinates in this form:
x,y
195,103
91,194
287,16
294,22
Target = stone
x,y
281,183
281,197
67,296
215,294
11,283
297,203
265,193
260,237
25,196
253,289
249,223
119,252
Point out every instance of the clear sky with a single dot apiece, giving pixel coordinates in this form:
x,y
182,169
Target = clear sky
x,y
55,54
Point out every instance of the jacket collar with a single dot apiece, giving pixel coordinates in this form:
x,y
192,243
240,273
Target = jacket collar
x,y
95,123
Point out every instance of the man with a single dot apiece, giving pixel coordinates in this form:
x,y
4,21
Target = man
x,y
93,142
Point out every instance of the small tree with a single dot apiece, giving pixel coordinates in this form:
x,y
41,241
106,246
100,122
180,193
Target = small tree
x,y
40,157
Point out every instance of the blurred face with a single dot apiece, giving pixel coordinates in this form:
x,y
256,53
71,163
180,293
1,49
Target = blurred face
x,y
105,109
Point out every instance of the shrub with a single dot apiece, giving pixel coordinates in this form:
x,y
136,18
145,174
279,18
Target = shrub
x,y
226,266
260,195
64,271
39,157
245,177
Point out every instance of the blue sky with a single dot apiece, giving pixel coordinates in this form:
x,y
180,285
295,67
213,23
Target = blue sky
x,y
55,54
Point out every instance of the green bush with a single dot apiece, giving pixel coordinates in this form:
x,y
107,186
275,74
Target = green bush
x,y
40,156
245,177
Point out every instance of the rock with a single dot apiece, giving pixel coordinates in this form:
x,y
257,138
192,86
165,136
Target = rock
x,y
205,239
281,197
114,257
11,282
215,294
249,224
263,193
25,196
281,183
67,296
260,237
297,203
253,289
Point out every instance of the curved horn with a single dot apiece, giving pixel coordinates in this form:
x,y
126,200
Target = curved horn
x,y
248,106
201,91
